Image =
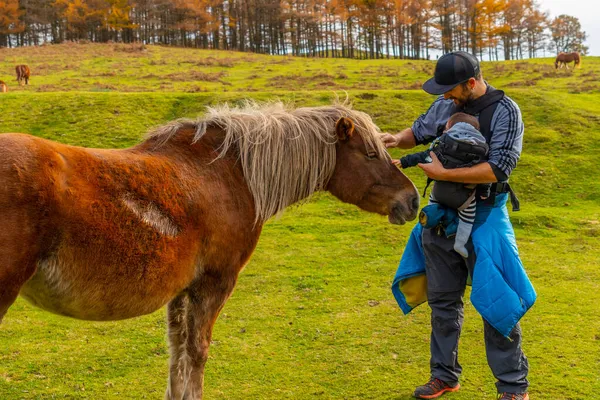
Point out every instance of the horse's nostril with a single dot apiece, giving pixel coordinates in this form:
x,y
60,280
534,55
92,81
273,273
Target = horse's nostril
x,y
415,203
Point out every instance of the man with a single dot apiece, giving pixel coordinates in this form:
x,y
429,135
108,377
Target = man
x,y
458,78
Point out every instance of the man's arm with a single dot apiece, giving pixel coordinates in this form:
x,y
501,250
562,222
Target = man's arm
x,y
507,138
480,173
404,139
425,128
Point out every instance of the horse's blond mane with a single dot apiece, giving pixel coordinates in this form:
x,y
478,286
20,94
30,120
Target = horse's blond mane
x,y
286,153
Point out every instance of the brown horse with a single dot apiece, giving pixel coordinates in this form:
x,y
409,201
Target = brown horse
x,y
23,73
563,59
112,234
3,87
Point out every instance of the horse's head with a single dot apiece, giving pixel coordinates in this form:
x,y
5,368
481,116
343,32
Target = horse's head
x,y
368,179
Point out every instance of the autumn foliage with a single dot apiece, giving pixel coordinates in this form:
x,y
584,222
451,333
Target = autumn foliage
x,y
492,29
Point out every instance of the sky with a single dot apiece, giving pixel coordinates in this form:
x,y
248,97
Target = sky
x,y
588,12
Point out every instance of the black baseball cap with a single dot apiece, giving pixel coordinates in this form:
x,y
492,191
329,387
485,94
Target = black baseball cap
x,y
451,70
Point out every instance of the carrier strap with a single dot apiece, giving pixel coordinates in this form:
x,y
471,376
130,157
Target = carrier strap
x,y
485,106
503,187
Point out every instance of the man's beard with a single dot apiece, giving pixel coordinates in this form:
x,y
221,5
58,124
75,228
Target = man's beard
x,y
466,96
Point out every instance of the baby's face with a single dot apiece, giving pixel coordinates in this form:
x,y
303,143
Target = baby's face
x,y
447,127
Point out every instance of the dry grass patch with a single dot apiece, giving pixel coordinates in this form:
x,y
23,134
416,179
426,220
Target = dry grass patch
x,y
131,48
197,76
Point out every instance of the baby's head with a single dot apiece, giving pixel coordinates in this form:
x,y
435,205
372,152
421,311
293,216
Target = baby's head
x,y
462,117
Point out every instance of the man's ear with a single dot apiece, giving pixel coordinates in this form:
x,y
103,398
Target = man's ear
x,y
344,128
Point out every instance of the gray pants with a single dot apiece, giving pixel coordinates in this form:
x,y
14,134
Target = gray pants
x,y
447,273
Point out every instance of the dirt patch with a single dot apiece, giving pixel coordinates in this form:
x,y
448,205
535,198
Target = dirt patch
x,y
366,96
212,62
411,85
323,75
326,84
49,88
196,89
131,48
524,83
196,76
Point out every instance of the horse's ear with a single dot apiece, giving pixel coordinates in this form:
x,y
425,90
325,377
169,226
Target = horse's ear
x,y
344,128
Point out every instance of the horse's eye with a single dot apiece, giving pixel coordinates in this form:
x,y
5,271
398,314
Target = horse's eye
x,y
372,156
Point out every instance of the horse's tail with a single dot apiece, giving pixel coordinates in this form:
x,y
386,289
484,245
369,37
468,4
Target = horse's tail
x,y
577,60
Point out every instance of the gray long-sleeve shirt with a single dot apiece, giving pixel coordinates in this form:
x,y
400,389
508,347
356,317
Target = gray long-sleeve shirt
x,y
506,128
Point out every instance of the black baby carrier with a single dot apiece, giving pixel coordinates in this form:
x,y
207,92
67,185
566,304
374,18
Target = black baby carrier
x,y
456,154
453,153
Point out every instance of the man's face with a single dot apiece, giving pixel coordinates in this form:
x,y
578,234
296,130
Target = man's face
x,y
461,94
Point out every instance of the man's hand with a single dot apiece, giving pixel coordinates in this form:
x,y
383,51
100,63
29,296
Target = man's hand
x,y
404,139
389,140
434,170
479,173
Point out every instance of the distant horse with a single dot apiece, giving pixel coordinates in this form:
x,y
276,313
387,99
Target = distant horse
x,y
3,87
111,234
563,59
23,73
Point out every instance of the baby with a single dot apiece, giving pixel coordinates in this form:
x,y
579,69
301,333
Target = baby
x,y
460,145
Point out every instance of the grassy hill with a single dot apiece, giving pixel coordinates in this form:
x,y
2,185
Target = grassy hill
x,y
135,68
312,315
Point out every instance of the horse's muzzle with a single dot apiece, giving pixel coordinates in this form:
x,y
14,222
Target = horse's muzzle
x,y
404,211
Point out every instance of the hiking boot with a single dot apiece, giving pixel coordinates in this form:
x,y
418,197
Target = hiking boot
x,y
513,396
434,389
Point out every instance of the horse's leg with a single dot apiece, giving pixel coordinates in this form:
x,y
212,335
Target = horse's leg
x,y
206,297
177,335
17,264
12,277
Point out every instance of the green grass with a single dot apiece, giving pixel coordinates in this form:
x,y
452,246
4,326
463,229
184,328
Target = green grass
x,y
312,316
126,68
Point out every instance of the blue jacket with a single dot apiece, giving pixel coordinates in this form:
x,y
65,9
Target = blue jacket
x,y
501,291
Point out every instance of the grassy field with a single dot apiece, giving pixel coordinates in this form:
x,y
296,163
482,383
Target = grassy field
x,y
135,68
312,316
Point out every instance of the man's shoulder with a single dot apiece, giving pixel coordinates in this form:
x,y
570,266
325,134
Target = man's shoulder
x,y
441,100
508,106
442,104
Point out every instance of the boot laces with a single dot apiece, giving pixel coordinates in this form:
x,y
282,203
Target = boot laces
x,y
436,384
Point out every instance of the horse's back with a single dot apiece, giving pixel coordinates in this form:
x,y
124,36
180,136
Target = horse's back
x,y
19,163
22,70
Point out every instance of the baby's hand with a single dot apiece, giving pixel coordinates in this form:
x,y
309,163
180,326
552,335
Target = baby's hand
x,y
397,163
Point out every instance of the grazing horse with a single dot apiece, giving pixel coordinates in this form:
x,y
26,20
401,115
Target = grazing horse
x,y
3,87
563,59
23,73
101,235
